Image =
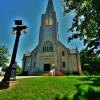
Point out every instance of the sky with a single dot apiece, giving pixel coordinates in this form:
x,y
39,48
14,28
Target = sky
x,y
30,12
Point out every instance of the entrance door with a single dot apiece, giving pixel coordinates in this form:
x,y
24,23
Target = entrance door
x,y
46,67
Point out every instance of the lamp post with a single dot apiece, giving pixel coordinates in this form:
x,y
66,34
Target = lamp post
x,y
10,74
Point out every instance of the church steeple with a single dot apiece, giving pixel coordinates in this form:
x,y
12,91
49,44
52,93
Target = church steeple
x,y
50,7
49,25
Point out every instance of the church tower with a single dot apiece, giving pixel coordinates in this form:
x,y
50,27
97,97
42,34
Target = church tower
x,y
49,27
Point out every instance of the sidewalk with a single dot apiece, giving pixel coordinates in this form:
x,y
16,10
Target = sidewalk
x,y
20,77
1,78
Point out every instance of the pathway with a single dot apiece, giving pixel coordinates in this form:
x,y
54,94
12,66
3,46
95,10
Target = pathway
x,y
20,77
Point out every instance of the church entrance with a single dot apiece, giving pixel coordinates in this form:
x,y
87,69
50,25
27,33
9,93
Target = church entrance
x,y
46,67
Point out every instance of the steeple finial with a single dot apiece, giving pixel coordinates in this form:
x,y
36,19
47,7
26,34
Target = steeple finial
x,y
50,7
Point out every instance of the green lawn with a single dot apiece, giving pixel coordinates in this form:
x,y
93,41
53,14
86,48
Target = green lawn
x,y
51,88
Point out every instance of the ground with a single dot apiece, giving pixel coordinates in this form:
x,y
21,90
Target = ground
x,y
51,88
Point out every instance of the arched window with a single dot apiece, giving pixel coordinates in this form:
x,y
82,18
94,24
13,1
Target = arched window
x,y
48,46
63,64
63,53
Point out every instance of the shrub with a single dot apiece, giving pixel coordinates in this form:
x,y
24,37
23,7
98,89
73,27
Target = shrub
x,y
57,73
86,73
18,69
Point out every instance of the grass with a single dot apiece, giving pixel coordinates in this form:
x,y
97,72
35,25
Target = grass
x,y
49,88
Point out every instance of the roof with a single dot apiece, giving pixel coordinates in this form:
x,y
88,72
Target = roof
x,y
28,54
73,51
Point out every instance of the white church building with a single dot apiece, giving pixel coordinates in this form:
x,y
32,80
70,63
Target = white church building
x,y
50,51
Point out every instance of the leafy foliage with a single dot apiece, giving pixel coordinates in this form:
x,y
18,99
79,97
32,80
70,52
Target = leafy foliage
x,y
18,69
86,23
4,54
90,63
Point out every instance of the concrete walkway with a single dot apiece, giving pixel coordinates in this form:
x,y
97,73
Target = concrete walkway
x,y
1,78
20,77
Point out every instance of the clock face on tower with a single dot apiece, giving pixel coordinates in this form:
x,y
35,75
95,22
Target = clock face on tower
x,y
49,20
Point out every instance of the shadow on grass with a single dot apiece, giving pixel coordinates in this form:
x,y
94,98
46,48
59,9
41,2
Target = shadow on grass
x,y
95,81
85,91
88,94
4,85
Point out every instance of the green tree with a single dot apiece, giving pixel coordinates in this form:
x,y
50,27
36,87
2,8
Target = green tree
x,y
4,56
90,63
86,23
18,69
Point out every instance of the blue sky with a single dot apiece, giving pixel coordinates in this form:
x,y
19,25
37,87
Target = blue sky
x,y
30,12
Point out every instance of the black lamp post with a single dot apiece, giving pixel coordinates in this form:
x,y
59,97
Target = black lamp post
x,y
10,74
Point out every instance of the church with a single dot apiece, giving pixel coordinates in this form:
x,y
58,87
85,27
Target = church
x,y
50,51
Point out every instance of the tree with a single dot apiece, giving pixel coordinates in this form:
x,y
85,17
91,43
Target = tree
x,y
90,63
18,69
4,56
86,23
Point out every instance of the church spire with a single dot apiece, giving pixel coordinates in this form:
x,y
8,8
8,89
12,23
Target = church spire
x,y
50,7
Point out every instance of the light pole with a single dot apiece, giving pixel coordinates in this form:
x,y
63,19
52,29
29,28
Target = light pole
x,y
10,74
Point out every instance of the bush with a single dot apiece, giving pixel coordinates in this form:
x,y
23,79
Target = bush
x,y
86,73
57,73
18,69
